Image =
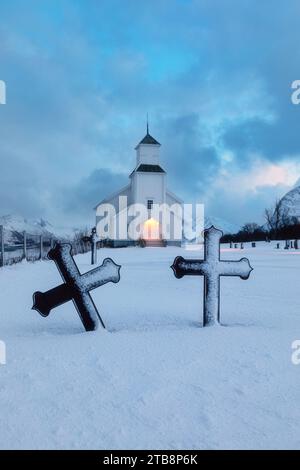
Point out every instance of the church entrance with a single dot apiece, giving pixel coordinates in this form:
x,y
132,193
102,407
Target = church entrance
x,y
151,230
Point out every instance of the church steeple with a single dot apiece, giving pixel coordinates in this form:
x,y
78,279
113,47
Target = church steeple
x,y
148,139
147,150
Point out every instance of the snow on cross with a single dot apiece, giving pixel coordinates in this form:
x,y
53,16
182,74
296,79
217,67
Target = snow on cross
x,y
76,286
211,268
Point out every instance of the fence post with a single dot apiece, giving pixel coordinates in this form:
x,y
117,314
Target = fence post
x,y
24,245
41,247
2,260
94,246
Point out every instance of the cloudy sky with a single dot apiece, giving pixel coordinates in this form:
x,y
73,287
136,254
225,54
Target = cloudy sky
x,y
215,77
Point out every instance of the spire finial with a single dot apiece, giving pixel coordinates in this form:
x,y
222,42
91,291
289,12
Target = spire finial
x,y
147,124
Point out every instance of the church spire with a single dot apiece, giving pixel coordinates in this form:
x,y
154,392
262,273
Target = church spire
x,y
148,139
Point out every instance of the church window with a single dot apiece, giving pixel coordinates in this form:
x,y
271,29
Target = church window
x,y
150,204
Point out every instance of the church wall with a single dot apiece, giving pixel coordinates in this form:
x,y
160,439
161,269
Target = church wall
x,y
149,186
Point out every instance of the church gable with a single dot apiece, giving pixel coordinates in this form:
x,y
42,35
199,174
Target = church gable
x,y
171,198
114,198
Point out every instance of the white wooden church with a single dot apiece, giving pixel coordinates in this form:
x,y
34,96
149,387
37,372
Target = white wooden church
x,y
147,186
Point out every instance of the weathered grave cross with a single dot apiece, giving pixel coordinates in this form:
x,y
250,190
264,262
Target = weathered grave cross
x,y
211,268
76,286
93,239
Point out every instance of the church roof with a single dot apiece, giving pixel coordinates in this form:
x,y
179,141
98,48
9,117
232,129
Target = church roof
x,y
148,139
143,167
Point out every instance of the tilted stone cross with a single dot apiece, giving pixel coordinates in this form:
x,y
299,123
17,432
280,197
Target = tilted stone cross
x,y
76,286
211,267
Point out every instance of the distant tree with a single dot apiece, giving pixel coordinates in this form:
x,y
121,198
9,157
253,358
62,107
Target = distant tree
x,y
277,217
79,241
250,232
279,225
250,227
80,233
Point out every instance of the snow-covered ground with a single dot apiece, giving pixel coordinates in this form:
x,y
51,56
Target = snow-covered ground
x,y
154,379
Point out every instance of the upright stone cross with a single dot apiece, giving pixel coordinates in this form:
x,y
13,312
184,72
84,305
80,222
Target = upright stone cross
x,y
211,267
76,286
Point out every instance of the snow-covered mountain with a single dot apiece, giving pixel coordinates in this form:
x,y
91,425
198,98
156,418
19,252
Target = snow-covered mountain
x,y
291,202
15,225
19,224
